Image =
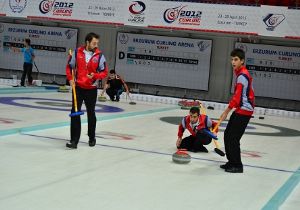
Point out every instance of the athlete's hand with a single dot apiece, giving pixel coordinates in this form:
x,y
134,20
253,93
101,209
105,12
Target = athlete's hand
x,y
178,142
71,82
90,75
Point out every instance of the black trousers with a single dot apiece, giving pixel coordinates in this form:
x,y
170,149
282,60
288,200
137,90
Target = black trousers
x,y
232,135
195,143
27,70
113,92
89,96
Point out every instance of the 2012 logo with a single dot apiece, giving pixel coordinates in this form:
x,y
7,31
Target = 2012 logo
x,y
60,8
184,16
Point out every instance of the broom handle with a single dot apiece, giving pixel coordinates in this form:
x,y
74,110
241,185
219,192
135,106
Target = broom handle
x,y
74,92
217,145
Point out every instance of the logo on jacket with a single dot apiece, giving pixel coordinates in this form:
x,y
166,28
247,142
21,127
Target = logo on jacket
x,y
273,20
136,10
17,6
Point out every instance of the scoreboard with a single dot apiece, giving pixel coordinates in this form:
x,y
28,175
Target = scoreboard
x,y
275,70
164,61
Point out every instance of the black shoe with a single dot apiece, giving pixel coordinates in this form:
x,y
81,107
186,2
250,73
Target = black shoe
x,y
224,166
92,142
234,169
202,149
71,145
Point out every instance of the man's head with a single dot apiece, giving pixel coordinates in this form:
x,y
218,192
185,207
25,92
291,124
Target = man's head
x,y
194,114
112,74
27,42
91,41
237,58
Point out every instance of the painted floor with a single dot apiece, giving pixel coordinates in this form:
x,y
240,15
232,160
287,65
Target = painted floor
x,y
131,165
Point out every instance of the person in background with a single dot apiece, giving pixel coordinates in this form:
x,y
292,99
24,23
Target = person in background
x,y
29,56
114,86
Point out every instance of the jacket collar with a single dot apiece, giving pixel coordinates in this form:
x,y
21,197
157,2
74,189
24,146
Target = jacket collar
x,y
82,48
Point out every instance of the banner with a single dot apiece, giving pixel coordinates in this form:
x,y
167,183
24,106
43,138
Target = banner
x,y
164,61
50,44
264,20
197,16
275,70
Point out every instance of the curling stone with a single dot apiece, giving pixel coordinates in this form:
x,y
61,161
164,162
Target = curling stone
x,y
181,157
102,98
63,89
132,103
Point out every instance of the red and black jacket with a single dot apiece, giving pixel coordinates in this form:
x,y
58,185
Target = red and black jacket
x,y
96,65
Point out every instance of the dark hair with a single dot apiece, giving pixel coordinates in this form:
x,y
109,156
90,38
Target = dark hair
x,y
112,71
90,36
28,41
194,110
238,53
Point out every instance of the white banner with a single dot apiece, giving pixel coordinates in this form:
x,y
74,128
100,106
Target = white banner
x,y
275,70
50,44
164,61
197,16
264,20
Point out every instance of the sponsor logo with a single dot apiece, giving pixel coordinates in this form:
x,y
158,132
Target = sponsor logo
x,y
58,8
17,6
273,20
45,6
70,33
184,16
137,7
203,45
136,10
123,38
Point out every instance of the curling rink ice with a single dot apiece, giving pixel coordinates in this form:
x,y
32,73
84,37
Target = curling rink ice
x,y
131,166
